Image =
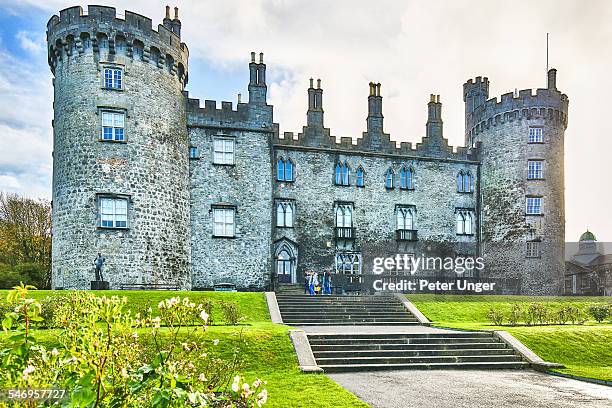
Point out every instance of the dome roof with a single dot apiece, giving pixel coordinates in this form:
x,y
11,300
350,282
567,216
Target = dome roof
x,y
587,236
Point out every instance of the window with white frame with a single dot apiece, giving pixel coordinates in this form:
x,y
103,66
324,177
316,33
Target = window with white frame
x,y
533,205
344,215
348,263
535,169
113,78
113,212
223,150
113,126
465,222
224,221
284,214
533,249
405,218
536,135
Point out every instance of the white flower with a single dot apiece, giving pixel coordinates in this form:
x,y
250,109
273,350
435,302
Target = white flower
x,y
135,335
54,352
216,341
204,315
28,370
156,322
161,304
235,387
190,365
262,397
202,377
124,372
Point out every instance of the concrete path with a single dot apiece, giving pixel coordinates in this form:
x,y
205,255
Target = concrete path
x,y
373,329
472,389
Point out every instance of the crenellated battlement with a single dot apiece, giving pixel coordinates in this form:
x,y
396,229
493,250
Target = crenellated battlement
x,y
74,32
544,103
244,115
428,148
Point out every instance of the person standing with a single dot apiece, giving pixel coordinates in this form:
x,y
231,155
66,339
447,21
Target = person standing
x,y
99,263
306,281
327,282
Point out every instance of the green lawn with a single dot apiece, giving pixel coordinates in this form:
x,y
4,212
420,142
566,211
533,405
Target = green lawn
x,y
266,346
586,350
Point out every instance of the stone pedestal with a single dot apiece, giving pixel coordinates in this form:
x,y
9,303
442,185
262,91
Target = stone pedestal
x,y
99,285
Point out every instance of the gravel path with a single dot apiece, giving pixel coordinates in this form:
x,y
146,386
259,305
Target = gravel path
x,y
472,389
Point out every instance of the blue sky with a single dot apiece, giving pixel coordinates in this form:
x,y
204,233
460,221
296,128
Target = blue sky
x,y
414,48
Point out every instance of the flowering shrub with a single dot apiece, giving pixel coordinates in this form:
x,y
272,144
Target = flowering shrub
x,y
538,314
111,358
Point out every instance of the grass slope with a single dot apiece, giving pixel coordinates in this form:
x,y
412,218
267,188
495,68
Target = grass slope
x,y
585,350
268,351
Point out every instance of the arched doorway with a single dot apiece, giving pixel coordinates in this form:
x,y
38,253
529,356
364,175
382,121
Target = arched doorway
x,y
285,262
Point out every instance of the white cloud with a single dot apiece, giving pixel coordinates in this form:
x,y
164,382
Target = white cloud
x,y
31,42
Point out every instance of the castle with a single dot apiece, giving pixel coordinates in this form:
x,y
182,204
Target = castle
x,y
175,193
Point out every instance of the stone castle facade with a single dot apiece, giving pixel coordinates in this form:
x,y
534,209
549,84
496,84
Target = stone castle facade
x,y
175,192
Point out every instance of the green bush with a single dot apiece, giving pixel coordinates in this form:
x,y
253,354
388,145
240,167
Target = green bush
x,y
495,316
516,313
231,312
599,312
11,276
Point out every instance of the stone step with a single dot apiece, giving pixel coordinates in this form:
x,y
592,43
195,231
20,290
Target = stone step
x,y
409,347
416,360
346,315
348,354
447,335
439,340
353,323
424,366
348,320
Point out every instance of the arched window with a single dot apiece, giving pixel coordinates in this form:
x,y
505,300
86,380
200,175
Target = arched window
x,y
338,173
465,222
464,182
342,174
120,45
285,263
344,215
467,182
460,223
460,181
284,170
288,170
284,214
137,49
405,218
389,178
360,177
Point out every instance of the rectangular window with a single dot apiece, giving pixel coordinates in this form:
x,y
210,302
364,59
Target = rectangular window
x,y
536,135
284,214
533,249
223,222
113,78
223,151
113,126
534,205
193,152
465,222
535,169
344,215
113,212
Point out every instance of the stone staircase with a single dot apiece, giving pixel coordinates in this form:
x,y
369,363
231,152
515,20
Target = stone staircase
x,y
306,310
394,351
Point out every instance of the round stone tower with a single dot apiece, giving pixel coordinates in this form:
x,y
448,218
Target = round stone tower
x,y
521,140
120,153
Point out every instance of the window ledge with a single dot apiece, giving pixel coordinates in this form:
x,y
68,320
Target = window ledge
x,y
406,189
536,179
341,185
285,181
465,235
112,141
195,158
465,192
533,215
284,226
223,237
113,89
99,227
224,164
536,143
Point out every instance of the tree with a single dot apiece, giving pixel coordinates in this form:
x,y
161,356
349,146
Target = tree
x,y
25,237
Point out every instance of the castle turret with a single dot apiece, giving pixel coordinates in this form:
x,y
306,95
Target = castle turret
x,y
523,210
120,168
257,82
